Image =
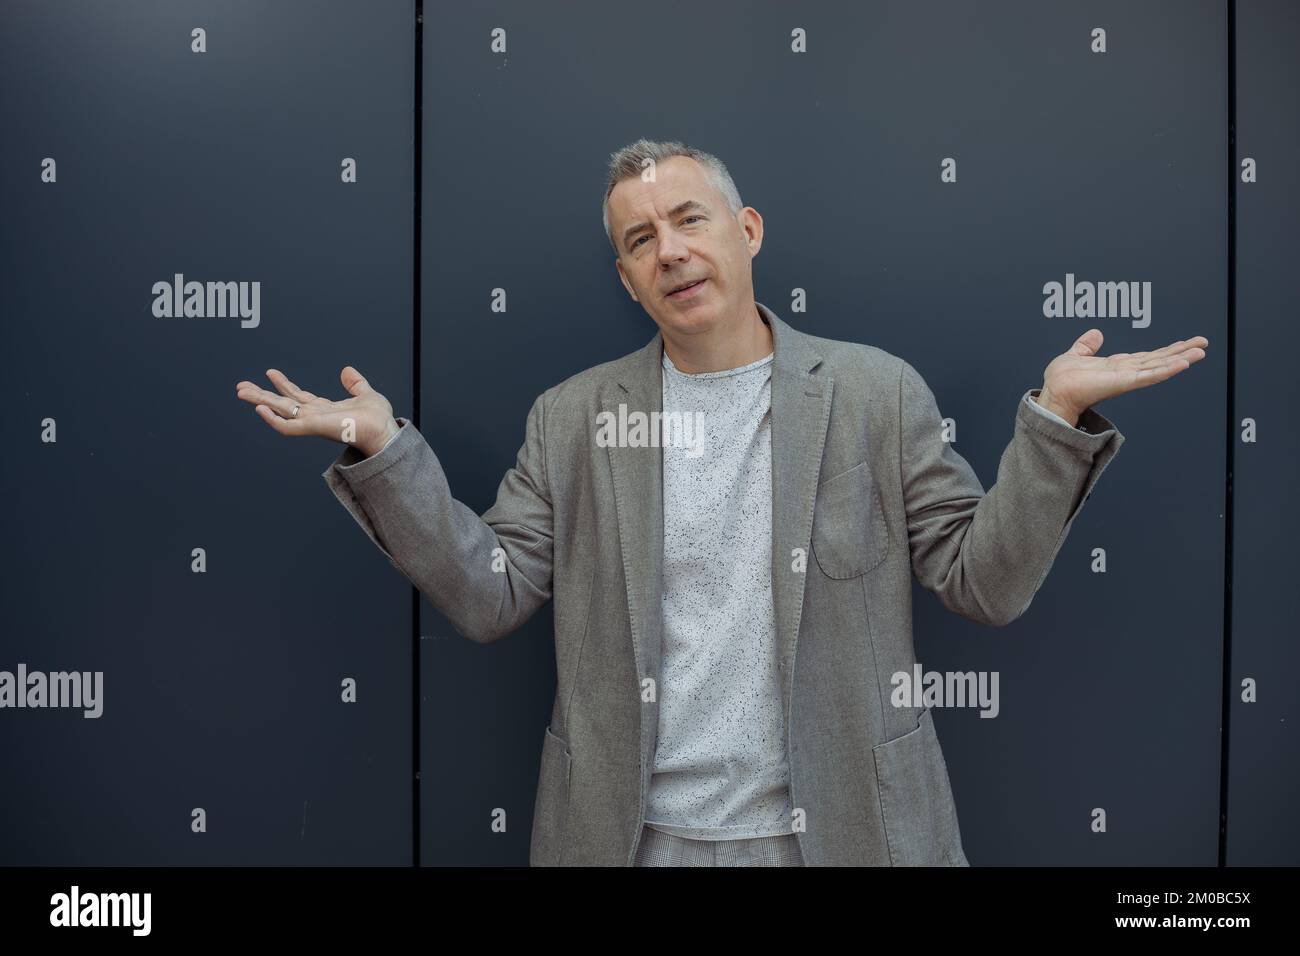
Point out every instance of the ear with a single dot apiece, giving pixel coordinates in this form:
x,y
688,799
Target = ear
x,y
752,227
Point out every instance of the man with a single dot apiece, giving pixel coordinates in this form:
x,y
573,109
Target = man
x,y
728,520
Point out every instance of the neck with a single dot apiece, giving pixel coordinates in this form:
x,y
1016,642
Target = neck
x,y
727,345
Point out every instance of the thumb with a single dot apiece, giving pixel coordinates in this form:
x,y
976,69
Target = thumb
x,y
354,382
1088,343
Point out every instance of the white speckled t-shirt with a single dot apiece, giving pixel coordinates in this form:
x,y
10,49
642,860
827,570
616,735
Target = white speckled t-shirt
x,y
720,768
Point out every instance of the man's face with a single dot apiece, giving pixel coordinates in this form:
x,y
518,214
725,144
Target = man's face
x,y
677,230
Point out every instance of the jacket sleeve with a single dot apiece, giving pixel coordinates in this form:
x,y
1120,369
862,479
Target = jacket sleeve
x,y
488,574
986,555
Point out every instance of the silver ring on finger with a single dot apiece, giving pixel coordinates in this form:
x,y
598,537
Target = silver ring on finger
x,y
295,410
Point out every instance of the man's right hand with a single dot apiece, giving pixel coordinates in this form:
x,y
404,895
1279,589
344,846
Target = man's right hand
x,y
364,421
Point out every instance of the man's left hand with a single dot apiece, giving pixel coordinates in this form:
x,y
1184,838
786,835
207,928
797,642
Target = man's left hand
x,y
1080,378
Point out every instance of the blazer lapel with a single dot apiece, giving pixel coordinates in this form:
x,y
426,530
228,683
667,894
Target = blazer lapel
x,y
801,408
638,501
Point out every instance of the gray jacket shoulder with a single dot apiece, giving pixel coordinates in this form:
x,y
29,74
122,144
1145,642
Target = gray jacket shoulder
x,y
858,366
581,390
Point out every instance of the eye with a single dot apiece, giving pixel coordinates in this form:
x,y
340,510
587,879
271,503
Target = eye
x,y
686,220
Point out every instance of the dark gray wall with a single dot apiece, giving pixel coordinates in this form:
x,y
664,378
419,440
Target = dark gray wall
x,y
1263,783
222,688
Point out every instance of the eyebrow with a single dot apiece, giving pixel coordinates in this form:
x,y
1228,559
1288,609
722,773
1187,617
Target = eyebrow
x,y
689,205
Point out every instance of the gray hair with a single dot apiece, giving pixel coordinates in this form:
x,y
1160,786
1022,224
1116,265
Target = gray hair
x,y
629,161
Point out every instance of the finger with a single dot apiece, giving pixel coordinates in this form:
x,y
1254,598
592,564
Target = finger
x,y
1182,345
286,387
249,392
1182,349
1190,355
1159,373
1191,346
255,393
285,426
1088,343
354,381
277,403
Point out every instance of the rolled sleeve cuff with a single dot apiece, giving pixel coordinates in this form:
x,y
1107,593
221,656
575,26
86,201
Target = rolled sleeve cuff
x,y
1092,431
354,466
1032,399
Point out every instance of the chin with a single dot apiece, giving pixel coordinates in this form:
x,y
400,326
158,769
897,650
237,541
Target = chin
x,y
690,322
697,319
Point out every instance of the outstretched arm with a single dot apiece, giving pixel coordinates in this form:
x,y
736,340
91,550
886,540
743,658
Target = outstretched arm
x,y
986,555
488,575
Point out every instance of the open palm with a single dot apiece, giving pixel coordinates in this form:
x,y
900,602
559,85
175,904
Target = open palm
x,y
364,420
1080,378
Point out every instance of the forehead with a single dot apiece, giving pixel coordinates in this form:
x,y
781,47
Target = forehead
x,y
676,179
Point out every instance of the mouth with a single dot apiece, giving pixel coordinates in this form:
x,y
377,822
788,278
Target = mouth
x,y
686,289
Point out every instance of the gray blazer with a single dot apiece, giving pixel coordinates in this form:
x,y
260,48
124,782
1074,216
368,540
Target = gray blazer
x,y
864,488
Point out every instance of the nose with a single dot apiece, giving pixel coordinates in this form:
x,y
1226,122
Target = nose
x,y
672,248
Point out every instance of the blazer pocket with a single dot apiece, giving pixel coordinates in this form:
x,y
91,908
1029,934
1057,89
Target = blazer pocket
x,y
916,800
849,535
551,809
